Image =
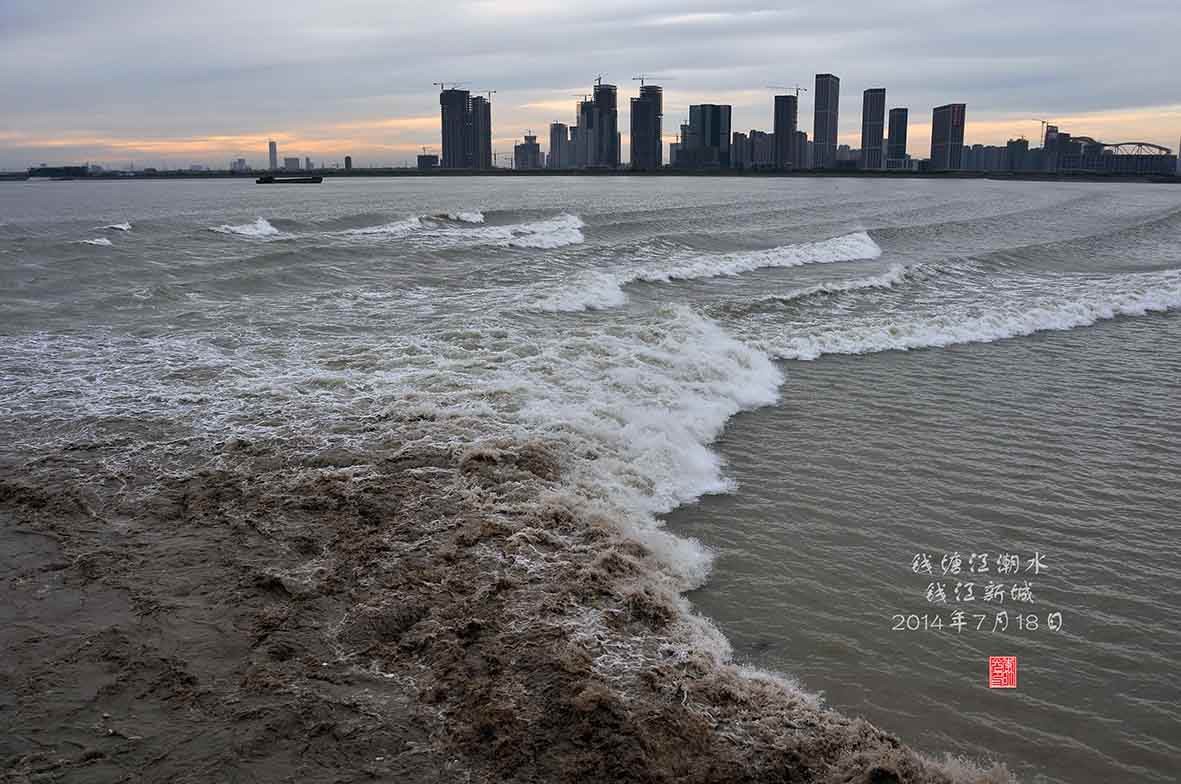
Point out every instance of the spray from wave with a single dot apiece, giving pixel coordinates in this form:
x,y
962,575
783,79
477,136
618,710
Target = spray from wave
x,y
474,216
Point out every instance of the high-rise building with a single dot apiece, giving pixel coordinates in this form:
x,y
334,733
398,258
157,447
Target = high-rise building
x,y
606,127
787,113
273,154
480,134
873,128
824,122
527,154
647,148
466,130
561,148
896,147
762,149
1050,147
740,151
348,163
801,151
947,137
1016,152
307,163
584,141
455,107
705,141
291,164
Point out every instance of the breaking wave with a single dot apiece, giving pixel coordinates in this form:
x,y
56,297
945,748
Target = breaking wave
x,y
896,275
394,229
96,241
117,227
597,290
851,247
1126,295
259,229
565,229
553,232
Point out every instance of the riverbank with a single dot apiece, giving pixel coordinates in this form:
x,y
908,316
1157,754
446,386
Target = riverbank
x,y
676,173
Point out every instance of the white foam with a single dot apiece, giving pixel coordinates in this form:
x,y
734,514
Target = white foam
x,y
851,247
394,229
117,227
96,241
639,408
1005,317
895,275
595,290
261,227
557,232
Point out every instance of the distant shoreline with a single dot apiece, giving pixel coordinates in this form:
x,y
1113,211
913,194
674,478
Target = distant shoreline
x,y
736,173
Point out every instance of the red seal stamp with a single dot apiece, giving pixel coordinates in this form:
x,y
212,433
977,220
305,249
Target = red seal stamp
x,y
1002,672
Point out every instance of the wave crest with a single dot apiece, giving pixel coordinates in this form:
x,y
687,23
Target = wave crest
x,y
557,232
596,290
260,228
850,247
1128,295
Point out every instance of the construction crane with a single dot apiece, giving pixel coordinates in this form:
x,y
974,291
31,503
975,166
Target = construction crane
x,y
1044,124
443,85
797,89
599,79
489,93
649,77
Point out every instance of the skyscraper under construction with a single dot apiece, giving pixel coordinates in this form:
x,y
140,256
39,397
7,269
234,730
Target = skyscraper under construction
x,y
647,153
466,130
606,135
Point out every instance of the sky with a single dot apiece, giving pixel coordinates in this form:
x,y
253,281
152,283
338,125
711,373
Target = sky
x,y
172,84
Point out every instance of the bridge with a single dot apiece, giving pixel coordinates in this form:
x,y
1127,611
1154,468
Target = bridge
x,y
1126,148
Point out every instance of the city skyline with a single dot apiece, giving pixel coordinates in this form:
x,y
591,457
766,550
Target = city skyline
x,y
366,88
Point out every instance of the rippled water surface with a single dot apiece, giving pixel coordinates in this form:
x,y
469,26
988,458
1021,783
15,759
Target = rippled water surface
x,y
787,387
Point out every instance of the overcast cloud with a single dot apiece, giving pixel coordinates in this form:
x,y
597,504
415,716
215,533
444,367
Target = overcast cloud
x,y
202,82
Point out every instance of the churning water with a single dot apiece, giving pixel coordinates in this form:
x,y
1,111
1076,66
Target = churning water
x,y
786,388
